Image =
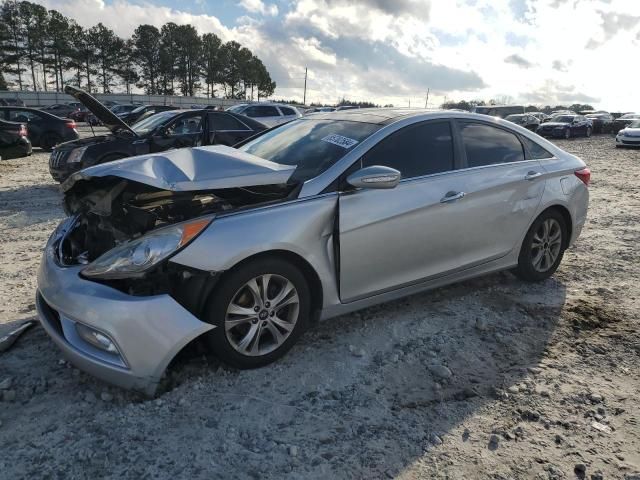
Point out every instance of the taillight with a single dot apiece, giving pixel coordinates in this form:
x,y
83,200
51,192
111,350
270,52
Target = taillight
x,y
23,131
71,124
584,174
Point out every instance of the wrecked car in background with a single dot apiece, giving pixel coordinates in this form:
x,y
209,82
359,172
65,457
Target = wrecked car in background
x,y
157,133
245,248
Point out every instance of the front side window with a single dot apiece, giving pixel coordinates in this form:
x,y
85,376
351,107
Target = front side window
x,y
311,145
488,145
260,111
417,150
287,111
185,125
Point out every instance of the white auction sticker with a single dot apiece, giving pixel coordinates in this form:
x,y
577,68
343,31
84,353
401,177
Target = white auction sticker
x,y
344,142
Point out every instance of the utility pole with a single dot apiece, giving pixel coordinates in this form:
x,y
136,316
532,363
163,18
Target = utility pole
x,y
304,97
426,102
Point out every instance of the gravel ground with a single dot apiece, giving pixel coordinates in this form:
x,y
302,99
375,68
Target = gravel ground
x,y
490,378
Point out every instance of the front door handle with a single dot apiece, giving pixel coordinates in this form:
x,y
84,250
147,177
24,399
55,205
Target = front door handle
x,y
452,197
532,175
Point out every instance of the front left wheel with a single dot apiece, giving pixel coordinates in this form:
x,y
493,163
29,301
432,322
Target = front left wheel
x,y
260,309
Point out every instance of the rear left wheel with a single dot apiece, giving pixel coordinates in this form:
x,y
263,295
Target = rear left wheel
x,y
260,310
543,247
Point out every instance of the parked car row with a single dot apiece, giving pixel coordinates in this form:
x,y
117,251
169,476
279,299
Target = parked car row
x,y
155,132
45,130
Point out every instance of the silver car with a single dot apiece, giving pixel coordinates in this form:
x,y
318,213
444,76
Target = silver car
x,y
246,248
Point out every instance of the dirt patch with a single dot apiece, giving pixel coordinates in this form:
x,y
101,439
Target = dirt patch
x,y
488,379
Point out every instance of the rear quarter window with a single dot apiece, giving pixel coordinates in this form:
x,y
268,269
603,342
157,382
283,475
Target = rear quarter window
x,y
488,145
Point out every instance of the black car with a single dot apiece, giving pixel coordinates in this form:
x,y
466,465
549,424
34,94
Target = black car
x,y
624,121
62,110
45,130
525,120
142,112
14,142
566,126
602,122
159,132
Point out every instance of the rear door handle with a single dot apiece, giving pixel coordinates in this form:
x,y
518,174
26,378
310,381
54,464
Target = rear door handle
x,y
532,175
452,197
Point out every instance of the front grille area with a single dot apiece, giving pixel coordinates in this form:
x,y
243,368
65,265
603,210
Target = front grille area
x,y
57,158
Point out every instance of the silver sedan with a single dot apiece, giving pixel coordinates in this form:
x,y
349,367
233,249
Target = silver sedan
x,y
246,248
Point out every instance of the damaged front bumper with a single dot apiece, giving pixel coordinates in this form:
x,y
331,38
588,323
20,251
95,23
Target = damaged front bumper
x,y
143,333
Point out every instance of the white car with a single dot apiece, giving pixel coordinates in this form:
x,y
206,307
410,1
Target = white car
x,y
269,114
629,136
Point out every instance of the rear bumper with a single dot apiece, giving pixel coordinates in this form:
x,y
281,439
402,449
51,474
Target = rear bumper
x,y
148,331
18,150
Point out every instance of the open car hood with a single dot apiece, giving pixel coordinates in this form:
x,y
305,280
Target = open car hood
x,y
102,113
190,169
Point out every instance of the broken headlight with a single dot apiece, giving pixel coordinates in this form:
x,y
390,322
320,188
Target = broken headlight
x,y
135,257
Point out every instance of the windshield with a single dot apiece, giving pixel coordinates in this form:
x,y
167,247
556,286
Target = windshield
x,y
147,124
515,118
139,109
311,145
630,115
635,124
562,119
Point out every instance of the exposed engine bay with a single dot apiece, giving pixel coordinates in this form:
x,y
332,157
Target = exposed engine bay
x,y
111,210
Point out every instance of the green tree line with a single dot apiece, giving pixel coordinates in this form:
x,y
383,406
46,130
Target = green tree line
x,y
42,49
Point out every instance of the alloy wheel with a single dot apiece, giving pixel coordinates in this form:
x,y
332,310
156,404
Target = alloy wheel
x,y
262,314
546,245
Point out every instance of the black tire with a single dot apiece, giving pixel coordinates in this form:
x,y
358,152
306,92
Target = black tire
x,y
48,140
230,288
526,270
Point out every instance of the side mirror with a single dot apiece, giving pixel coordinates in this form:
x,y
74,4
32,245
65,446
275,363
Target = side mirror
x,y
376,176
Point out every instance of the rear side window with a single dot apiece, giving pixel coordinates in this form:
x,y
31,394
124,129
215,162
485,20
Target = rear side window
x,y
487,145
258,111
416,150
287,111
535,151
223,121
23,116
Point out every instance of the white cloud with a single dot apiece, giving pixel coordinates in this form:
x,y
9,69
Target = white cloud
x,y
391,52
258,6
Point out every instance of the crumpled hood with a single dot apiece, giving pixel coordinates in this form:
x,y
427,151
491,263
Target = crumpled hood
x,y
189,169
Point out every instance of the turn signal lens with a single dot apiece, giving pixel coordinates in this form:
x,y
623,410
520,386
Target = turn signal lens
x,y
192,229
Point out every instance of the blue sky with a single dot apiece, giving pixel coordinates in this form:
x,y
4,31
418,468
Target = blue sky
x,y
533,51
